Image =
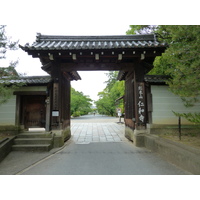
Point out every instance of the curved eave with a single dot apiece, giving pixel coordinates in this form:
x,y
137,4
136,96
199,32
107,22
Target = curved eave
x,y
104,46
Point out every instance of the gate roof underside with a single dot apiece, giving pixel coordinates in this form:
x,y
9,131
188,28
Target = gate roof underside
x,y
94,52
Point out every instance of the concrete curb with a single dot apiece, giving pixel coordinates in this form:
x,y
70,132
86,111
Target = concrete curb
x,y
5,147
186,157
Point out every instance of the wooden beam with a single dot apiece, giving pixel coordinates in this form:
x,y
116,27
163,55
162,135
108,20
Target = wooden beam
x,y
68,53
94,66
29,93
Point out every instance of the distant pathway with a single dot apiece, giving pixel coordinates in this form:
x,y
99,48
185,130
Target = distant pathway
x,y
97,128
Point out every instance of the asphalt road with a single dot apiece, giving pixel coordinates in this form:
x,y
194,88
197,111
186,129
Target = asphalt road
x,y
119,158
102,158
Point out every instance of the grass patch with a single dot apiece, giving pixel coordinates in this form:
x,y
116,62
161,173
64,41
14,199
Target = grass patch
x,y
191,139
2,136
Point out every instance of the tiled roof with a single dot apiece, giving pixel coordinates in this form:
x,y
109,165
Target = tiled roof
x,y
29,80
153,79
51,42
156,78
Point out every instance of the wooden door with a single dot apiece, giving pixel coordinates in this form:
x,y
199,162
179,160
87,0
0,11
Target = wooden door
x,y
34,111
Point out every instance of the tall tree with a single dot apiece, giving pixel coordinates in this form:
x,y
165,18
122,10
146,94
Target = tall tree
x,y
7,73
141,29
181,60
107,98
80,103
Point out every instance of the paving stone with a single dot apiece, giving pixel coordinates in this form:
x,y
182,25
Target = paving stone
x,y
97,132
109,137
117,139
110,140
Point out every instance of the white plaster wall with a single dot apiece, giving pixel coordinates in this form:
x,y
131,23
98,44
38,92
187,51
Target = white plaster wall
x,y
164,102
7,112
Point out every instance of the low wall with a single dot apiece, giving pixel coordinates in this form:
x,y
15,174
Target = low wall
x,y
9,130
185,157
157,129
5,147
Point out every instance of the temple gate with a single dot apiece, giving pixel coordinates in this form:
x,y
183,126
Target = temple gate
x,y
63,56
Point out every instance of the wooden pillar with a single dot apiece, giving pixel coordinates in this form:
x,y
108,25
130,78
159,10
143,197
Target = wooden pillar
x,y
17,112
65,91
135,104
56,97
64,102
129,101
49,107
60,105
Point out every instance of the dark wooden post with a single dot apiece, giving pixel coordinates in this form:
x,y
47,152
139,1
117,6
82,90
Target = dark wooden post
x,y
56,100
60,105
49,107
17,113
129,101
65,91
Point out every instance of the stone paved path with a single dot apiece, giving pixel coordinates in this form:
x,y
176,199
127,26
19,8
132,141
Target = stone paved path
x,y
98,128
97,132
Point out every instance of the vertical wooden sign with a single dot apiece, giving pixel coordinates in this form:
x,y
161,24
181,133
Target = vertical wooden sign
x,y
55,96
140,104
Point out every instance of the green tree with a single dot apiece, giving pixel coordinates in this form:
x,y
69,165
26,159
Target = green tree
x,y
181,60
80,103
141,29
112,78
105,105
107,98
7,73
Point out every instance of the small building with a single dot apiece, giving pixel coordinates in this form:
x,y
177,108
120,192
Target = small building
x,y
28,106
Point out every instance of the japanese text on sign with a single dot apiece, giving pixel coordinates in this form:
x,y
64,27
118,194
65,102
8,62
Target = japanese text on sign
x,y
141,104
55,97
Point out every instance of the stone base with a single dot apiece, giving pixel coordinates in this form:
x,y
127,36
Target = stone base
x,y
61,136
136,136
66,133
129,133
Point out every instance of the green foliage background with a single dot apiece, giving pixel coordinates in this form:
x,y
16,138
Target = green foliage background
x,y
80,103
181,60
107,98
7,73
